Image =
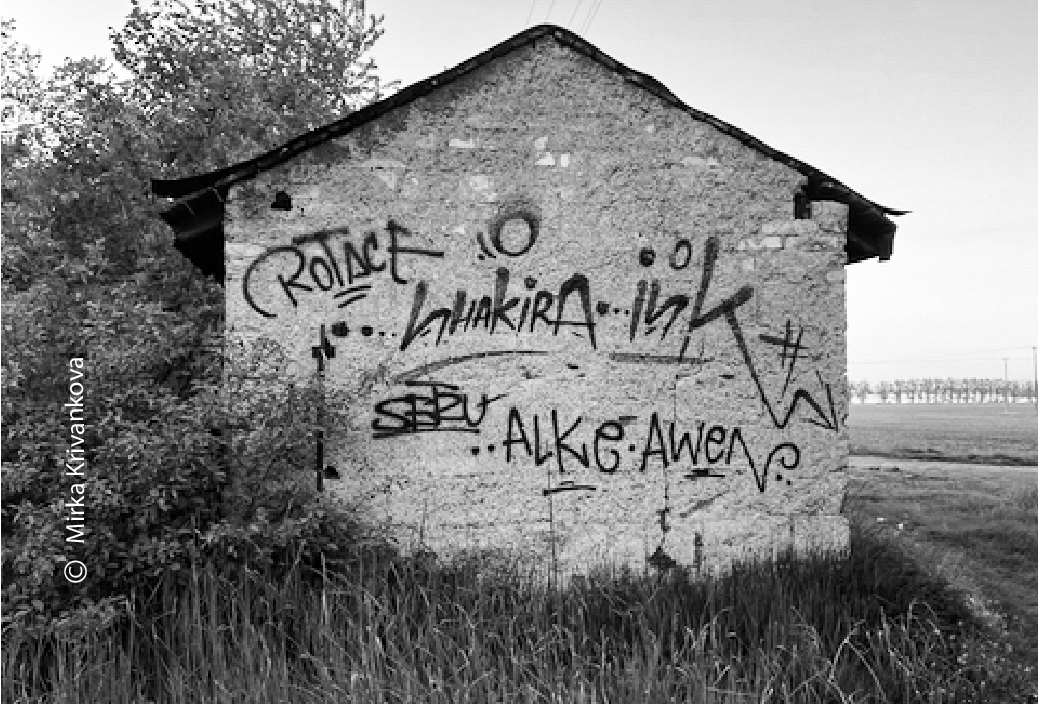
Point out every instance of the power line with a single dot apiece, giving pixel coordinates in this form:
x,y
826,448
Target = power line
x,y
1034,356
952,356
575,8
938,359
591,13
529,15
987,351
597,8
547,17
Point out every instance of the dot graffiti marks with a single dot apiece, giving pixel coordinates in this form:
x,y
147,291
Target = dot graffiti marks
x,y
500,311
648,310
712,443
323,270
709,449
790,350
512,233
493,313
679,259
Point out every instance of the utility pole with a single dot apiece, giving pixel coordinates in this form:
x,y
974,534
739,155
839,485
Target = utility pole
x,y
1005,384
1034,392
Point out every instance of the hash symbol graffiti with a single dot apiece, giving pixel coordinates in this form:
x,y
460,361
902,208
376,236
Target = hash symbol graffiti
x,y
790,350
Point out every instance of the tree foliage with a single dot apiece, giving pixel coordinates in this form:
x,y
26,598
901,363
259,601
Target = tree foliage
x,y
89,271
950,390
293,67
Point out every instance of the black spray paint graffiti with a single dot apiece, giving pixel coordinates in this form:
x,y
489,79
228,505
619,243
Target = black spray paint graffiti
x,y
650,311
706,451
679,259
443,407
513,232
361,259
494,313
823,417
568,485
501,312
324,271
647,309
433,407
713,445
424,369
790,350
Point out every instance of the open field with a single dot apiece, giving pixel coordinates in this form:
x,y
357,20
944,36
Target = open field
x,y
957,432
972,526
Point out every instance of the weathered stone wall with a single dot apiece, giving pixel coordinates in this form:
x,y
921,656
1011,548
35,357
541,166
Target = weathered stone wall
x,y
568,320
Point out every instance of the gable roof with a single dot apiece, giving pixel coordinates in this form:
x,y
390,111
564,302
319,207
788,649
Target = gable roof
x,y
197,217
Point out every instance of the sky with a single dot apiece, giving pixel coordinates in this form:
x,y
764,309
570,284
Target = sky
x,y
928,106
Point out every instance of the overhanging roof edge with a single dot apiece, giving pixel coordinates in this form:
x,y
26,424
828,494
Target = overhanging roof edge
x,y
191,189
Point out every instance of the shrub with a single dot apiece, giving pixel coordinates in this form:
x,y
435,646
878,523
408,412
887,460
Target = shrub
x,y
159,490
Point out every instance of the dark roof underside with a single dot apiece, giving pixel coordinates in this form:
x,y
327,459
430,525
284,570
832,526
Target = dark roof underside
x,y
197,217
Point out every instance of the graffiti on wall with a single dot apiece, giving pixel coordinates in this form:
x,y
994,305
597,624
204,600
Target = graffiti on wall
x,y
500,312
346,267
299,269
429,406
707,450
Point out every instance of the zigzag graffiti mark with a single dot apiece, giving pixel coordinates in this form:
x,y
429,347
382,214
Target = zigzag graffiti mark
x,y
646,306
824,420
728,308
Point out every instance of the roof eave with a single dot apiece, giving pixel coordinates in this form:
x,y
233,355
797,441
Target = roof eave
x,y
192,217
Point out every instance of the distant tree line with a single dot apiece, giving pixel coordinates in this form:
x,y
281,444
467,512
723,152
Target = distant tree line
x,y
949,390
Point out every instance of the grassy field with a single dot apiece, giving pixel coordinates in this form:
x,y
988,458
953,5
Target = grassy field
x,y
936,602
869,627
966,432
892,621
925,477
973,527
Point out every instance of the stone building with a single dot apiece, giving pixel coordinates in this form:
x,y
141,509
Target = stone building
x,y
557,311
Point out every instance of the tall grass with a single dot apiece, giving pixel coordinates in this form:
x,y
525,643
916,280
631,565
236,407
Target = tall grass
x,y
865,627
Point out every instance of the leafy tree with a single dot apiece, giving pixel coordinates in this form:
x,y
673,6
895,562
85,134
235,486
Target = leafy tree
x,y
912,389
228,79
89,271
884,389
862,390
